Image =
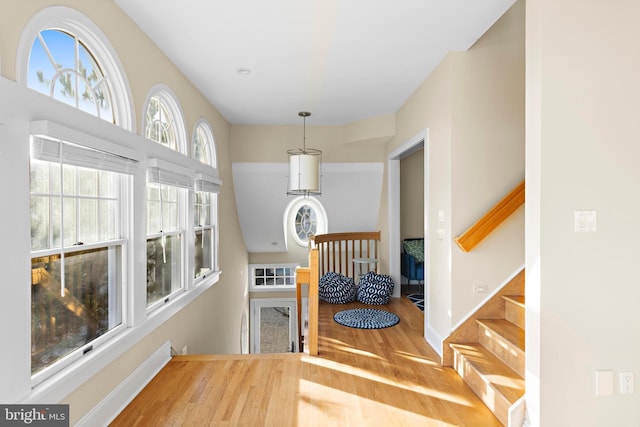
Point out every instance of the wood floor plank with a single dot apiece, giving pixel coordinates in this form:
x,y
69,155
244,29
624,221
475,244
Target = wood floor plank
x,y
383,377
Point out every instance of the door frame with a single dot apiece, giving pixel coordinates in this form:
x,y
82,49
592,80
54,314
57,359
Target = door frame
x,y
413,144
256,304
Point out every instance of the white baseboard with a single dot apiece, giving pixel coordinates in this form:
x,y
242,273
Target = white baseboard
x,y
517,413
109,407
433,339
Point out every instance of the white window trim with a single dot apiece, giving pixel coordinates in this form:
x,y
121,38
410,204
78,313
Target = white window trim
x,y
65,18
271,288
48,130
290,217
256,304
165,173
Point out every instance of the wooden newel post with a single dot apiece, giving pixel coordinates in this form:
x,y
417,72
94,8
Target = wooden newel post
x,y
308,275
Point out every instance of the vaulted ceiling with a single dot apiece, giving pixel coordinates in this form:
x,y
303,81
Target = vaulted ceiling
x,y
263,61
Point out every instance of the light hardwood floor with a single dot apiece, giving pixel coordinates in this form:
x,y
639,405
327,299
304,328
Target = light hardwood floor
x,y
384,377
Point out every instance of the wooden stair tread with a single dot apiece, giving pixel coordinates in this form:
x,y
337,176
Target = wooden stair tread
x,y
512,333
516,299
493,371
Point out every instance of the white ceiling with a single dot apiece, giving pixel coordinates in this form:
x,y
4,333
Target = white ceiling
x,y
342,60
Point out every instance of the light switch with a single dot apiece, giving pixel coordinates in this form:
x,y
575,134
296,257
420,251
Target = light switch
x,y
440,233
441,215
585,221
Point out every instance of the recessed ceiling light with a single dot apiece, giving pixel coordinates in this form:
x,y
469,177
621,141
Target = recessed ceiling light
x,y
243,71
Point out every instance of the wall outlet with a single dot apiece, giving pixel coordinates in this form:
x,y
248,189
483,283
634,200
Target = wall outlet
x,y
481,289
626,382
184,350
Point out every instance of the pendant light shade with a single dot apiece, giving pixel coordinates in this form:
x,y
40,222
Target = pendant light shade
x,y
305,167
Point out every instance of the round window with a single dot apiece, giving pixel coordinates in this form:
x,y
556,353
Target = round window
x,y
305,217
306,222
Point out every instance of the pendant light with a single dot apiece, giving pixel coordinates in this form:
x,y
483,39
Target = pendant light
x,y
305,167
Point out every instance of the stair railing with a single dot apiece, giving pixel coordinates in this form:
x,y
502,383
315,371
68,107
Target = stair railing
x,y
492,219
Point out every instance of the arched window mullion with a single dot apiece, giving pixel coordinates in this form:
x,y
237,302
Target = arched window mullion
x,y
45,46
76,90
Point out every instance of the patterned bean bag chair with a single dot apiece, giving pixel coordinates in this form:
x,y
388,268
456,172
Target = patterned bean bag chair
x,y
375,289
335,288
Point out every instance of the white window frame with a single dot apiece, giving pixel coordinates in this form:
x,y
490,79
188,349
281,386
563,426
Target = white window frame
x,y
272,288
89,152
290,217
204,125
169,100
69,20
209,183
212,226
167,174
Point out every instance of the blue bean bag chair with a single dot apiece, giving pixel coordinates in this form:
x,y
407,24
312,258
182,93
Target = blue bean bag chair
x,y
375,289
335,288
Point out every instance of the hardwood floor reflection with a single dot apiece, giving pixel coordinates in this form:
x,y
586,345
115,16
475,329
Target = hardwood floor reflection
x,y
382,377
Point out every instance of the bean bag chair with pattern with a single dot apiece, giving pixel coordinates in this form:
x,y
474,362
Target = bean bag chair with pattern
x,y
375,289
335,288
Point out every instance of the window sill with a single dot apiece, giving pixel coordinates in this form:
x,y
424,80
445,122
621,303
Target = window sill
x,y
66,381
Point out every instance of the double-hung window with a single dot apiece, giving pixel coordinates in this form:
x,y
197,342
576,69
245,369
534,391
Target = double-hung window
x,y
79,236
166,192
206,198
205,203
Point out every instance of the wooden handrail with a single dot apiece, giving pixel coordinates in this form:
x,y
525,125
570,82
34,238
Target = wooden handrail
x,y
309,275
492,219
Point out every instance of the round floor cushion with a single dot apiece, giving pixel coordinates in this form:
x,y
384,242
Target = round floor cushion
x,y
336,288
375,289
366,318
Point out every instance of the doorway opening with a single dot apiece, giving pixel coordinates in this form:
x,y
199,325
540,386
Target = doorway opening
x,y
273,325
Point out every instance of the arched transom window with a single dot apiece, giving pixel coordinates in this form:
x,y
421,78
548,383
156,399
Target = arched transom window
x,y
61,66
203,144
160,124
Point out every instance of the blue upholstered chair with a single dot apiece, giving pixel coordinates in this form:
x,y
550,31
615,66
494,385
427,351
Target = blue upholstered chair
x,y
413,259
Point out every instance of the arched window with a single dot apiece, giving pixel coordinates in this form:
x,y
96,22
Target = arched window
x,y
62,54
160,126
62,67
203,144
163,122
306,217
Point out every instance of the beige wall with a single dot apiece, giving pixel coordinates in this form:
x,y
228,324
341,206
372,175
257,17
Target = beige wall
x,y
262,143
210,324
488,155
473,108
412,195
430,107
582,153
